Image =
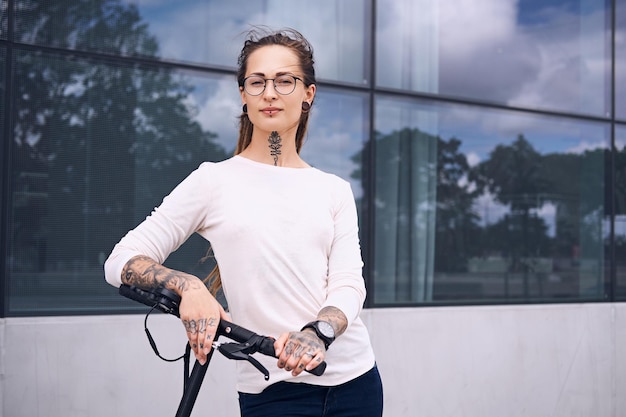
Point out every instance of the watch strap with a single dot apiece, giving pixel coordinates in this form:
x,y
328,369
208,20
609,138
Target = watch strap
x,y
313,325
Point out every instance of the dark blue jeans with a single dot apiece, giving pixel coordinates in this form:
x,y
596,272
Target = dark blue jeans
x,y
361,397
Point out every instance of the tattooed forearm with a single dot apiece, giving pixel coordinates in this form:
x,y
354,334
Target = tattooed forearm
x,y
335,317
275,145
146,273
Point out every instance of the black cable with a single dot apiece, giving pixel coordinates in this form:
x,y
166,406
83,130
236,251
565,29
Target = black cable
x,y
153,343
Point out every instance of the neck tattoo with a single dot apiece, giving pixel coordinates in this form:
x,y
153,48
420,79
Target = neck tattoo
x,y
275,145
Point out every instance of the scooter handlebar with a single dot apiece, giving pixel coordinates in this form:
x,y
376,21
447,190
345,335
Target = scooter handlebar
x,y
168,302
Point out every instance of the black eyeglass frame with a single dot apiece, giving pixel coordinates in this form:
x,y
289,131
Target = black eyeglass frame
x,y
265,80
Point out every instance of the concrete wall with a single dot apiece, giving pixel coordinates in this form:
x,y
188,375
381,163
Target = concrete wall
x,y
543,360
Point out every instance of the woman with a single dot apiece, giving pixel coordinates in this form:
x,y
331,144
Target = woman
x,y
285,238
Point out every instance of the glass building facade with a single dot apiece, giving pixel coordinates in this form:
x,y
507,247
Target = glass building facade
x,y
485,141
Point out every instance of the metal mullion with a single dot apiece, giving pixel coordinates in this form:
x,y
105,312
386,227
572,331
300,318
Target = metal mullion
x,y
612,287
370,160
5,162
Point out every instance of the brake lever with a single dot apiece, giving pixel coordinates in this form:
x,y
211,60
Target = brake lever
x,y
239,352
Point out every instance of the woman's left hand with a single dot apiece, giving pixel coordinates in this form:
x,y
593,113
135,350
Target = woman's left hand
x,y
297,351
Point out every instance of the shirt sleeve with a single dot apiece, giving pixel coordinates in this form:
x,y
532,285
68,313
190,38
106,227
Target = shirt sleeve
x,y
346,287
180,214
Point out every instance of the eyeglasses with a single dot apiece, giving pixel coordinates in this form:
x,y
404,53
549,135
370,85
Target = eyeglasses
x,y
283,84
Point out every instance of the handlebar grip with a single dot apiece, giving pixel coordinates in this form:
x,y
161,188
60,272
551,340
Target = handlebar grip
x,y
319,369
267,348
265,344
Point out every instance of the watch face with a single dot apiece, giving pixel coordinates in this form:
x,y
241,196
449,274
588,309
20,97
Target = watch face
x,y
326,329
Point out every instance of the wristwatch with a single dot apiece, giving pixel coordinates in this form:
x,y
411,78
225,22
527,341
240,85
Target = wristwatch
x,y
323,330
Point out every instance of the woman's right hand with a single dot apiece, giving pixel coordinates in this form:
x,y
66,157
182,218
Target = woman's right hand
x,y
200,313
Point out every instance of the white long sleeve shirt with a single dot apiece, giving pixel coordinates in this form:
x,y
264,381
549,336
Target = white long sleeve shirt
x,y
286,242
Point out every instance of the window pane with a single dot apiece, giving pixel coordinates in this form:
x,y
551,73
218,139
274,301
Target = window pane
x,y
3,139
477,205
336,137
3,81
337,133
620,60
547,55
95,148
3,19
620,206
200,31
107,26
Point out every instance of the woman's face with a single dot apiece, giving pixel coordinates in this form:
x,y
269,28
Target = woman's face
x,y
271,111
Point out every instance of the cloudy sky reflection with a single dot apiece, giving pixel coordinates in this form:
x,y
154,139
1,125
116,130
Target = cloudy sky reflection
x,y
547,54
538,54
186,30
552,55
